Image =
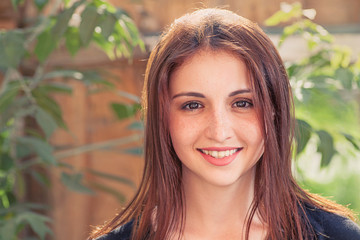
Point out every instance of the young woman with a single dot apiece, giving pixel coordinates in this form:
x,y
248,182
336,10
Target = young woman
x,y
219,131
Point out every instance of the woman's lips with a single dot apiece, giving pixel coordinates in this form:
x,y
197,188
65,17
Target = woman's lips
x,y
219,156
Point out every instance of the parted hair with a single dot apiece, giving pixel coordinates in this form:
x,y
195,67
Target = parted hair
x,y
158,207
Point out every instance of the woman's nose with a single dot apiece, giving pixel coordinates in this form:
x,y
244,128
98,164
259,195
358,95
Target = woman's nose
x,y
219,127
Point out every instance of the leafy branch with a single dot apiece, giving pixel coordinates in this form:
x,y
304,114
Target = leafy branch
x,y
29,113
326,84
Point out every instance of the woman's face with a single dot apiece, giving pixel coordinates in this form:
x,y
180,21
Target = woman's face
x,y
213,124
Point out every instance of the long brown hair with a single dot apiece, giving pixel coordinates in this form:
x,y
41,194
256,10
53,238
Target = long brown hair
x,y
158,208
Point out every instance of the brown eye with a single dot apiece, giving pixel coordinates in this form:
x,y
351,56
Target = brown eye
x,y
242,104
192,106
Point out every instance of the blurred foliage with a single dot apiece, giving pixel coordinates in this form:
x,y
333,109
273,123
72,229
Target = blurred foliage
x,y
326,89
29,114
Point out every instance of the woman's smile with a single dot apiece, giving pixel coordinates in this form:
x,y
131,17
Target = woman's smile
x,y
219,153
220,158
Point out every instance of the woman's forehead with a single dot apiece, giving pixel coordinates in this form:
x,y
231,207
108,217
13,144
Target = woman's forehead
x,y
211,69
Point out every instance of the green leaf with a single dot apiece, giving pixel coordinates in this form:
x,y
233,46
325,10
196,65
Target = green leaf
x,y
40,4
312,43
19,107
133,32
113,177
93,77
287,12
21,207
73,42
352,140
104,5
37,146
107,25
123,111
23,150
66,165
89,18
67,2
303,134
345,76
49,105
74,182
16,3
65,74
45,45
325,147
6,162
20,185
12,48
341,57
123,39
40,178
357,63
56,88
45,121
37,222
7,229
288,31
105,45
319,31
8,95
62,23
8,199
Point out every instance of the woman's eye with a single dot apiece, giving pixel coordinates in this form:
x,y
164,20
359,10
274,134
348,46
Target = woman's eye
x,y
192,106
243,104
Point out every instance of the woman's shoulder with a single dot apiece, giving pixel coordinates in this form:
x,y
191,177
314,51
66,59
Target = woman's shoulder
x,y
329,225
122,232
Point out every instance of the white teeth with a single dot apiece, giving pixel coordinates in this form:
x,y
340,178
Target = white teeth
x,y
219,154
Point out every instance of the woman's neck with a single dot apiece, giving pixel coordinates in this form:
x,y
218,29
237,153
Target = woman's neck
x,y
217,212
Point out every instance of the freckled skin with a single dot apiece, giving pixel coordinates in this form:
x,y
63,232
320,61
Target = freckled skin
x,y
213,118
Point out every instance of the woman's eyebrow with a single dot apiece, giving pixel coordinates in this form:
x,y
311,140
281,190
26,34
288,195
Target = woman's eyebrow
x,y
239,92
189,94
200,95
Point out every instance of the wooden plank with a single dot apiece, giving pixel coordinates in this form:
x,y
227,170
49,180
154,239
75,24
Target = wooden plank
x,y
90,120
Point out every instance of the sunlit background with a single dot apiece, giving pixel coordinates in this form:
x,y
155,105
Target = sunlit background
x,y
71,74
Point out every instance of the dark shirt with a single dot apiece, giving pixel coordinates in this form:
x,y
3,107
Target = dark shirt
x,y
121,233
327,226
